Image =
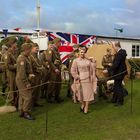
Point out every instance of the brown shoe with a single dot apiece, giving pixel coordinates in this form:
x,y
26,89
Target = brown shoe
x,y
81,109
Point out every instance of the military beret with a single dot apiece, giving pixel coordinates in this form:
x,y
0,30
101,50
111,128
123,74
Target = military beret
x,y
26,46
12,40
56,40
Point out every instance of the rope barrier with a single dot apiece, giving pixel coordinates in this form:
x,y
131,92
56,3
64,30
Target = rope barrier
x,y
65,83
52,82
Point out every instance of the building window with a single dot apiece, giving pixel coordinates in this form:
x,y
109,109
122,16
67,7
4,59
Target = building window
x,y
135,50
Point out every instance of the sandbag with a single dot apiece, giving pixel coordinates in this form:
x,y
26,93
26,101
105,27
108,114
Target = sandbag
x,y
7,109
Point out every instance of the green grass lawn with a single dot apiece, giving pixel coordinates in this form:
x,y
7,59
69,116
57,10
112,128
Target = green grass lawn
x,y
66,122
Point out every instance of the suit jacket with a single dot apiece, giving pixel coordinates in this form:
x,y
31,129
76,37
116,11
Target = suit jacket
x,y
118,65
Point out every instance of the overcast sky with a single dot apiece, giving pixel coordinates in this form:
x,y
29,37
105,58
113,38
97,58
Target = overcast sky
x,y
97,17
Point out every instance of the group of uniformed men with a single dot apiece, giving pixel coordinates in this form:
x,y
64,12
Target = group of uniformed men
x,y
28,74
24,75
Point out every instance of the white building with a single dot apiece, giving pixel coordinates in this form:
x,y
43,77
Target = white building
x,y
131,45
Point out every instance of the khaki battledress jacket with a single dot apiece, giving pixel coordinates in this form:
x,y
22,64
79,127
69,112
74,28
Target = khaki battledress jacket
x,y
23,79
11,74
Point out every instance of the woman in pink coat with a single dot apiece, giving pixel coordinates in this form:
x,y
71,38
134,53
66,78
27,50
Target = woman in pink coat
x,y
83,72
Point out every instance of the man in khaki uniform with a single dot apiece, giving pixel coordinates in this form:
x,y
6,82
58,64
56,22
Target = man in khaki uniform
x,y
107,61
45,71
57,69
52,56
37,68
48,62
10,59
23,80
4,73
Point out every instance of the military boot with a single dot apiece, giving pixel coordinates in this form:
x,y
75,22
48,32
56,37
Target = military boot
x,y
28,116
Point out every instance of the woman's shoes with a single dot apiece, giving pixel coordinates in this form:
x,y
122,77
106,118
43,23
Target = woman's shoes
x,y
85,111
81,109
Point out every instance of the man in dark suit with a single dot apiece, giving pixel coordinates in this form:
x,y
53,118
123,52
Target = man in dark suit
x,y
118,70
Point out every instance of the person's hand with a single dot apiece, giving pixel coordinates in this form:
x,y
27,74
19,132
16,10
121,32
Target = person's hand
x,y
92,59
57,71
28,86
105,71
95,92
110,64
47,62
31,76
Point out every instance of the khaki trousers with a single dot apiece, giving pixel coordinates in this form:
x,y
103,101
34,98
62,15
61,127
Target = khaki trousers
x,y
25,97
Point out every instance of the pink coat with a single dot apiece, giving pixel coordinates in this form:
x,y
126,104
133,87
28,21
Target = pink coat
x,y
85,81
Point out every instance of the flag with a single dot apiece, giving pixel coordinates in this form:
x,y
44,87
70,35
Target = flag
x,y
17,29
5,32
119,29
68,40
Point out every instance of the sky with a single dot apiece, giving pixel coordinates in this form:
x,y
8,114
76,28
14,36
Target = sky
x,y
95,17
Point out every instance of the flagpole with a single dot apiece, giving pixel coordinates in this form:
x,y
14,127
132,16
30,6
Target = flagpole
x,y
116,33
38,14
38,19
118,29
